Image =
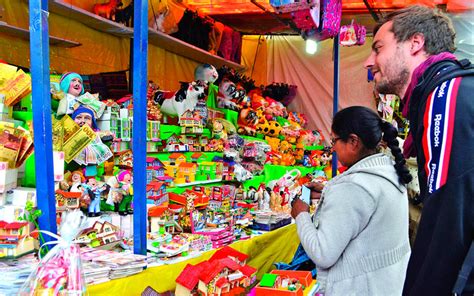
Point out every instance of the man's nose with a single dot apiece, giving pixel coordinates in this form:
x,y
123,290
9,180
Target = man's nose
x,y
369,62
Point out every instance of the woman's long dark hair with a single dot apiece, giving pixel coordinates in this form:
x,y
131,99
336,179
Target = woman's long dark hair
x,y
370,128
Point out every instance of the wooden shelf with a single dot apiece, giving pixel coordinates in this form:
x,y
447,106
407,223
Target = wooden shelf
x,y
25,34
89,19
184,49
156,38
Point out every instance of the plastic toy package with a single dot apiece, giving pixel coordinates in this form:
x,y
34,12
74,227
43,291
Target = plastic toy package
x,y
59,272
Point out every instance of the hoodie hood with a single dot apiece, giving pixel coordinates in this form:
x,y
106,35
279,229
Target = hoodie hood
x,y
379,165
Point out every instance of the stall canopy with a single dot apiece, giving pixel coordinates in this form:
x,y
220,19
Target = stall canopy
x,y
258,17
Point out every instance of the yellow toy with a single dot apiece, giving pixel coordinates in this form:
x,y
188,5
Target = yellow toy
x,y
273,142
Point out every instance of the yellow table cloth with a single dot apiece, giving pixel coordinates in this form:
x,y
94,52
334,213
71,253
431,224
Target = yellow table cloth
x,y
263,250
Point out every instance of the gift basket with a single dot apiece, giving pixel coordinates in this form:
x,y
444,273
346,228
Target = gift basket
x,y
59,272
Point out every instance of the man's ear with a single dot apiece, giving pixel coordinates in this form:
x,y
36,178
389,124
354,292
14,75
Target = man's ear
x,y
417,42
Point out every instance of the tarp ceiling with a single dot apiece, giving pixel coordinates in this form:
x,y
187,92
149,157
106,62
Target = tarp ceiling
x,y
213,7
258,17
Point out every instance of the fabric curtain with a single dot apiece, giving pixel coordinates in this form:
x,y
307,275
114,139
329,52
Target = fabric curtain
x,y
287,61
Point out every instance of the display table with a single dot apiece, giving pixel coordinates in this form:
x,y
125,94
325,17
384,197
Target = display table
x,y
263,250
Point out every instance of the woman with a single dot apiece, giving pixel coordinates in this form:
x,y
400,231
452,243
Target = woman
x,y
359,237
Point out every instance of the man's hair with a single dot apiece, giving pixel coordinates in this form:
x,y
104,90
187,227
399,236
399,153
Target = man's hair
x,y
435,26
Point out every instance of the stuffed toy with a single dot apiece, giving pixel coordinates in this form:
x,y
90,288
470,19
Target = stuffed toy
x,y
206,72
221,128
176,103
108,9
247,122
165,20
273,142
125,15
230,95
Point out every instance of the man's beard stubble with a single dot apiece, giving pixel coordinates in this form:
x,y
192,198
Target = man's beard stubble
x,y
394,86
396,78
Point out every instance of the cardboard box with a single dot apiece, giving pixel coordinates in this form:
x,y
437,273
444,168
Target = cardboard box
x,y
20,195
8,177
11,213
58,163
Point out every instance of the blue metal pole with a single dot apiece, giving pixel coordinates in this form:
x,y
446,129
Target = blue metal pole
x,y
140,78
336,95
41,104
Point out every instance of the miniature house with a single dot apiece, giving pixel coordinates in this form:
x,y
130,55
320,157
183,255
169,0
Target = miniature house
x,y
156,191
191,123
186,173
125,129
154,169
173,144
153,131
198,157
124,159
12,243
176,158
67,200
223,274
101,234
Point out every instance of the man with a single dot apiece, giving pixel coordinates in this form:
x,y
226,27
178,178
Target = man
x,y
405,46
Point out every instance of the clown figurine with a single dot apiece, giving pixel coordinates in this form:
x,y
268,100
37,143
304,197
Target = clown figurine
x,y
125,181
71,85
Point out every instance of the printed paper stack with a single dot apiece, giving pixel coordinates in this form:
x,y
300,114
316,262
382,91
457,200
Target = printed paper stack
x,y
122,264
14,274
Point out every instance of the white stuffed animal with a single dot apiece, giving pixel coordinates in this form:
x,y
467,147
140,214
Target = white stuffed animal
x,y
176,103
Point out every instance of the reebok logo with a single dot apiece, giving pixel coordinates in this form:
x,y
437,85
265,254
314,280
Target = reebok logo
x,y
437,130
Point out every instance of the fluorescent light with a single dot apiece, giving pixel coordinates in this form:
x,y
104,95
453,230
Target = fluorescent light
x,y
311,46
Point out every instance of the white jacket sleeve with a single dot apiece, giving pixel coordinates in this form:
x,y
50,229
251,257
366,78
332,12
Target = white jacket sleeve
x,y
344,212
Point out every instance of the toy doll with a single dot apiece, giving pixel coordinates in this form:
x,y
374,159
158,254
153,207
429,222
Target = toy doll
x,y
96,152
115,195
77,178
95,192
125,181
71,85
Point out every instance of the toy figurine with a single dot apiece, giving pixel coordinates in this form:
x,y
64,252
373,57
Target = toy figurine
x,y
266,198
115,195
92,188
260,196
206,73
176,103
108,9
71,85
252,194
125,181
77,178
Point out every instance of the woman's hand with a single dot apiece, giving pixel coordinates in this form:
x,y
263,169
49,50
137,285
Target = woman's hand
x,y
298,206
316,189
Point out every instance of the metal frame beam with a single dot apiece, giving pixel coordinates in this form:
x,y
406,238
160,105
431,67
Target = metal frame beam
x,y
140,78
335,94
41,104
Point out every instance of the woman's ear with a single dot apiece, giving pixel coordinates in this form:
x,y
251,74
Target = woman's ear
x,y
354,142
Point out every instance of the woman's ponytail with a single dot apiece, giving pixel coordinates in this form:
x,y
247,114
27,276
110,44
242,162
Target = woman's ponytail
x,y
390,134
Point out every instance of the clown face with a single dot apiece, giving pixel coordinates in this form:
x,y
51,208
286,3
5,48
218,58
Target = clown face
x,y
75,87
